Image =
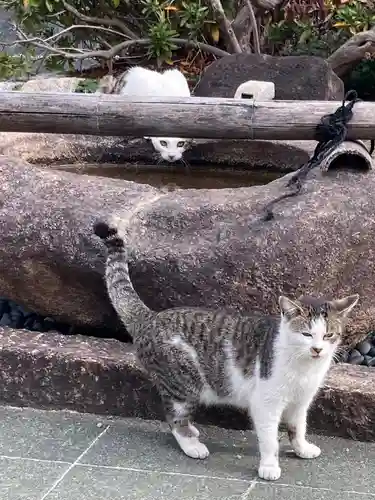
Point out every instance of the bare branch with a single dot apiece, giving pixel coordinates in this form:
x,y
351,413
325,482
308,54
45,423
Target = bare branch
x,y
352,52
84,26
109,54
97,20
23,38
227,26
254,26
268,4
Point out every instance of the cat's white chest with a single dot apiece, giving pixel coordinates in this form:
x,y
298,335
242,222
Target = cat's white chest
x,y
297,383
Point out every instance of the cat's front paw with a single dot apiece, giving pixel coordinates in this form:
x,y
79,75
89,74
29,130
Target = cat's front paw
x,y
307,450
196,449
269,472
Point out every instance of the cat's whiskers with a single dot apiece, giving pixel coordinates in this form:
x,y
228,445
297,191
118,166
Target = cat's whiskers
x,y
187,166
340,350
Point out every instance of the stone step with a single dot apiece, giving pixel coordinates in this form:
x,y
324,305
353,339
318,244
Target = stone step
x,y
102,376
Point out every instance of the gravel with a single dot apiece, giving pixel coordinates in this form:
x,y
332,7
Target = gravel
x,y
16,316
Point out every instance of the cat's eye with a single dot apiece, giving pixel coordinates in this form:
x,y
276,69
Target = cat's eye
x,y
163,143
181,144
306,334
328,335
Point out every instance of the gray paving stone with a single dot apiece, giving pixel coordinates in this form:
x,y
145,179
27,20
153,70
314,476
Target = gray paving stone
x,y
139,460
274,492
343,465
27,479
86,483
149,445
45,435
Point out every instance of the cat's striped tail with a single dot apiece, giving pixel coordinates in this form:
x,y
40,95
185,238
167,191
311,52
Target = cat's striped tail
x,y
127,303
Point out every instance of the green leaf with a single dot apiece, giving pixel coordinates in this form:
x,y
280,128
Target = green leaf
x,y
49,6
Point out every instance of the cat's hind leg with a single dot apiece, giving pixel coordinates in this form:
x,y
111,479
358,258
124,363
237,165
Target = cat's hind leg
x,y
180,384
185,433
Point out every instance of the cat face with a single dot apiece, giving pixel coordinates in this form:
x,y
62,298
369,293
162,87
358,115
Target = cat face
x,y
313,327
170,148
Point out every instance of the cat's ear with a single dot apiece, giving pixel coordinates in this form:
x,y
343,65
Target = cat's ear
x,y
147,138
288,307
342,307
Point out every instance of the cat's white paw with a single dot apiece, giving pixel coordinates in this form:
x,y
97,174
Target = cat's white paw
x,y
191,446
269,472
196,449
307,450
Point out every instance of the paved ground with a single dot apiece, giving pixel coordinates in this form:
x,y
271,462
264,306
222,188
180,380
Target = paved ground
x,y
68,456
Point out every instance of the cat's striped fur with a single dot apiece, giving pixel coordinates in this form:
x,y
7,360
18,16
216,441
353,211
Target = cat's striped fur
x,y
268,365
110,84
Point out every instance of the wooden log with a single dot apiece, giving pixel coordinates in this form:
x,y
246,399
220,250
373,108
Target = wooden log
x,y
212,118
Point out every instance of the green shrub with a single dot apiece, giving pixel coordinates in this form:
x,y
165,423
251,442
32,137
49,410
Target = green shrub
x,y
157,20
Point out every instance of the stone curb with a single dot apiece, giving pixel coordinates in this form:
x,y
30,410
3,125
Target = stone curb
x,y
85,374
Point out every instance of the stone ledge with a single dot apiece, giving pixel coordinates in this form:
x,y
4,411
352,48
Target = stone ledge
x,y
48,370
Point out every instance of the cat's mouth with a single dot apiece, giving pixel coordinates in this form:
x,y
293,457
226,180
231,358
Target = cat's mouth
x,y
316,356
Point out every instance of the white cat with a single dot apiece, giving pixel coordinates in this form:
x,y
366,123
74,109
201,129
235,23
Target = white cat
x,y
144,82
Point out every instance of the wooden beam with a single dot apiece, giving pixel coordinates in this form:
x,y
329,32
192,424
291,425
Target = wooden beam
x,y
197,117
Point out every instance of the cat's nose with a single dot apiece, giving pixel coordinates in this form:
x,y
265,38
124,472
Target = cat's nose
x,y
170,157
316,350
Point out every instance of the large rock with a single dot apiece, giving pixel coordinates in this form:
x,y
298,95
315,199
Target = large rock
x,y
320,242
57,84
295,77
46,220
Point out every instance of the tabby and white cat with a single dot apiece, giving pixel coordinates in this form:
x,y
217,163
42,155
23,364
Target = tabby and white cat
x,y
142,82
270,366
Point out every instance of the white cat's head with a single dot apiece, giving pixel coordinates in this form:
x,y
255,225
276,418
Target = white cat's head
x,y
313,327
170,148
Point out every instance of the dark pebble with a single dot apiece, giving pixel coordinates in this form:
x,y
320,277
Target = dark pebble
x,y
372,352
17,320
4,307
6,320
37,326
344,357
367,360
14,315
29,321
364,347
355,357
371,362
49,323
25,313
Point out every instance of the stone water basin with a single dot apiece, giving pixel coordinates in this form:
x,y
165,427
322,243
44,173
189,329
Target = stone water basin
x,y
179,176
87,373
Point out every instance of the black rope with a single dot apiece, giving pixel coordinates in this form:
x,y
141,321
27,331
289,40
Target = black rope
x,y
330,132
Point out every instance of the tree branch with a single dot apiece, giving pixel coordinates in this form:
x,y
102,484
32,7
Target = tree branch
x,y
97,20
108,54
254,26
352,52
227,26
268,4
